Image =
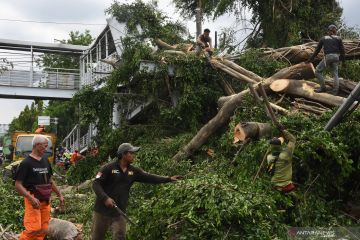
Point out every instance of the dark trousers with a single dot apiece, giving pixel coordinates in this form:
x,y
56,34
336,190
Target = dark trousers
x,y
101,223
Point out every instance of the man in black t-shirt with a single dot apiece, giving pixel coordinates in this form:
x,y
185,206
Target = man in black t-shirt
x,y
33,181
111,186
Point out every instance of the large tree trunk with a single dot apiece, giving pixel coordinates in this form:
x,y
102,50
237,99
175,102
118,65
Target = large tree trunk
x,y
299,71
305,89
208,129
242,70
300,53
253,130
163,45
345,85
231,72
229,106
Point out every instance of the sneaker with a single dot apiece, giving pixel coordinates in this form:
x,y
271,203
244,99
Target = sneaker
x,y
320,90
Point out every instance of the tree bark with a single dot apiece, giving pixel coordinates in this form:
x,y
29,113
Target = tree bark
x,y
305,89
301,53
231,72
229,106
242,70
299,71
163,45
345,85
208,129
253,130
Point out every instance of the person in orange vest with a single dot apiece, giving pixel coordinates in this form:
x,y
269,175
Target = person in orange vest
x,y
76,156
40,129
34,182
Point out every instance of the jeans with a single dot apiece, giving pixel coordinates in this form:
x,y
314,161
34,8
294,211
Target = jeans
x,y
331,60
101,223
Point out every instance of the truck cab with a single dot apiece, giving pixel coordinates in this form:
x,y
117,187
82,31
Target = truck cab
x,y
22,143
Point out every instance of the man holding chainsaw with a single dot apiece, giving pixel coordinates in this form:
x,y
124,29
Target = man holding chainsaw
x,y
111,186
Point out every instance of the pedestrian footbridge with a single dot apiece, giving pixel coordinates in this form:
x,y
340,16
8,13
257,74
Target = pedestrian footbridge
x,y
23,76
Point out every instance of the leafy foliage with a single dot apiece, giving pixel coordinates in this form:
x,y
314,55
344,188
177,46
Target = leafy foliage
x,y
10,207
61,61
219,197
153,23
276,23
27,120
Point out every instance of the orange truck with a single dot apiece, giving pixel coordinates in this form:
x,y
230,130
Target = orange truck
x,y
22,144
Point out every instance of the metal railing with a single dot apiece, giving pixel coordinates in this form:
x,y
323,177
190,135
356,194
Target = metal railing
x,y
97,71
50,78
74,140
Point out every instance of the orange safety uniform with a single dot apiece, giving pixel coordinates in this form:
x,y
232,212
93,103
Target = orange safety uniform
x,y
32,172
76,156
36,221
40,129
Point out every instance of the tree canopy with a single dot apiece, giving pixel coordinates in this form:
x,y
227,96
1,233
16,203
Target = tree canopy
x,y
276,23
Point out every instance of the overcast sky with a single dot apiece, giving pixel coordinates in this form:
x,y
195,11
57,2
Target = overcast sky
x,y
91,14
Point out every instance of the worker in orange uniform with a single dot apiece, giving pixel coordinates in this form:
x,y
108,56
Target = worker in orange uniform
x,y
76,156
33,181
40,129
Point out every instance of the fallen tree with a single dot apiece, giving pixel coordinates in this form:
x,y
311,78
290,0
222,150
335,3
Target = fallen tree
x,y
305,89
300,53
232,102
298,71
253,130
345,85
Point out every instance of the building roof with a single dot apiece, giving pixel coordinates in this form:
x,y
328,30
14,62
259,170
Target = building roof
x,y
19,45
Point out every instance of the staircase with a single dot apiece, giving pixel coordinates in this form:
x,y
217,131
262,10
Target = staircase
x,y
74,140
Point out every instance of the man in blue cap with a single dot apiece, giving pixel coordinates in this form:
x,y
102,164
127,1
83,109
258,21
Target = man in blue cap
x,y
112,185
333,52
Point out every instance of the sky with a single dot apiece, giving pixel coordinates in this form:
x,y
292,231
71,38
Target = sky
x,y
85,14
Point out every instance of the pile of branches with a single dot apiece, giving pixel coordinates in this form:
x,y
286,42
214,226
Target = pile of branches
x,y
292,81
5,234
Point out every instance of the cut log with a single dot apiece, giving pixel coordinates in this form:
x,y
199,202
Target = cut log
x,y
345,85
258,100
253,130
61,229
299,71
229,106
305,89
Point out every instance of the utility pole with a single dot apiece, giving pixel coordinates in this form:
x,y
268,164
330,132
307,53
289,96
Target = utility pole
x,y
198,18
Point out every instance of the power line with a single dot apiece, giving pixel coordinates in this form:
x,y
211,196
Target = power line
x,y
49,22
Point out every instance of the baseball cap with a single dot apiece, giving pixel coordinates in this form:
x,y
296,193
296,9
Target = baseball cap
x,y
127,147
